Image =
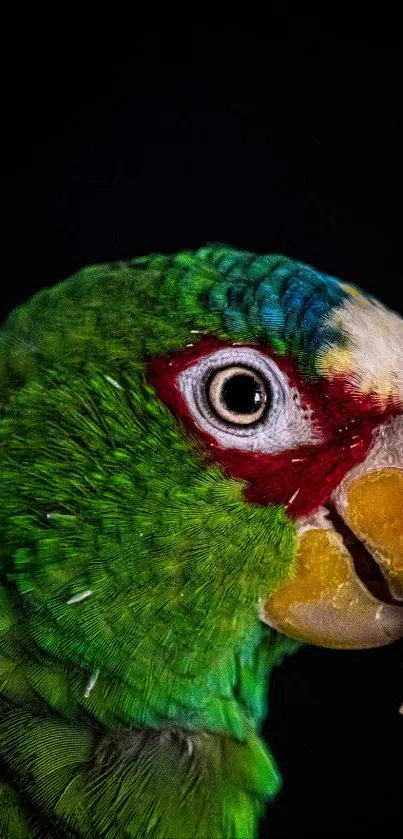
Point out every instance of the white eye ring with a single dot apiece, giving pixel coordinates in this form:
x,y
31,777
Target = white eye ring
x,y
222,389
283,424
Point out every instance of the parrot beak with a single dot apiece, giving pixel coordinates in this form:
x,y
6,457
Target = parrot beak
x,y
347,589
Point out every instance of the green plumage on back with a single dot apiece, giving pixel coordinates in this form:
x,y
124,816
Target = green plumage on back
x,y
133,667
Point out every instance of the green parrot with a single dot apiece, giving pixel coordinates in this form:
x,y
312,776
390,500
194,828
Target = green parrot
x,y
201,468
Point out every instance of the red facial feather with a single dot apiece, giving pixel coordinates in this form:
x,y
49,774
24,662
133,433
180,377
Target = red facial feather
x,y
302,478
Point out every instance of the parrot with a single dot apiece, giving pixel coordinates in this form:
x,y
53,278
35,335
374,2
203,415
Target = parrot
x,y
201,470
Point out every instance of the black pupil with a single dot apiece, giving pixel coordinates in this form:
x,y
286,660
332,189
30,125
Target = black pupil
x,y
242,394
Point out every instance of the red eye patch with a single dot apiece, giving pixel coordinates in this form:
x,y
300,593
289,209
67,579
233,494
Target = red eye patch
x,y
300,478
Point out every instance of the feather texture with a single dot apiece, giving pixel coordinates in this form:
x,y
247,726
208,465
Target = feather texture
x,y
133,665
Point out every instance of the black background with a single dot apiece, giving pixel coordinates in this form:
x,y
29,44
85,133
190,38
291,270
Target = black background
x,y
270,142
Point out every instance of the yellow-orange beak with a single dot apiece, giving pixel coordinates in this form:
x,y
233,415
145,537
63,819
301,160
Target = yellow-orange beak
x,y
347,590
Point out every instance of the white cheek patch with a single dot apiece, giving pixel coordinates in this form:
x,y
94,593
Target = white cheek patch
x,y
373,356
285,425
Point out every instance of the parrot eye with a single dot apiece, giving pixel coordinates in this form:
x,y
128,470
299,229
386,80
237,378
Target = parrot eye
x,y
238,395
245,401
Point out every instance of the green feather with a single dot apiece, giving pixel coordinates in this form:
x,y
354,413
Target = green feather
x,y
133,668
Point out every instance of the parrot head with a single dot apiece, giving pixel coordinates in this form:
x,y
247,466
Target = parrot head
x,y
305,408
191,444
194,449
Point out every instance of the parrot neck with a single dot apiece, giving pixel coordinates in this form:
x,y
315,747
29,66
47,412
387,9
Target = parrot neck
x,y
187,783
128,783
